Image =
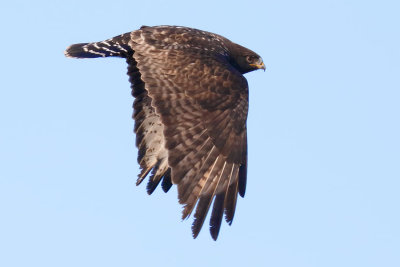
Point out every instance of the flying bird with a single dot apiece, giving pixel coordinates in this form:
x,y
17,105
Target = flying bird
x,y
190,111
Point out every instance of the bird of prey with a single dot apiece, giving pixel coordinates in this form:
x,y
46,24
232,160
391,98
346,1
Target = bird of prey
x,y
190,111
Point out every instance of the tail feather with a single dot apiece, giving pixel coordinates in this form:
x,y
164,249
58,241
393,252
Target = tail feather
x,y
114,47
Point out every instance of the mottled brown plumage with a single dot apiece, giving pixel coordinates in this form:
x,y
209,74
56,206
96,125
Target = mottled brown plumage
x,y
190,110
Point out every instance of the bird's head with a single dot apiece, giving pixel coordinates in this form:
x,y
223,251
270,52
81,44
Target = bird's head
x,y
255,62
246,60
247,63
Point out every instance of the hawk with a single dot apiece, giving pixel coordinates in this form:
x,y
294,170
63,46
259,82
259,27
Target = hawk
x,y
190,111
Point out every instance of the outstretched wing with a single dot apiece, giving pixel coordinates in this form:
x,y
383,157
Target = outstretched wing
x,y
190,111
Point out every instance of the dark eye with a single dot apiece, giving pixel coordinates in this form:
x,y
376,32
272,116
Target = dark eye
x,y
249,59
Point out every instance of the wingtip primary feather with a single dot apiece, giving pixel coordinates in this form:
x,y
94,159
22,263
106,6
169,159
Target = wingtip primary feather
x,y
242,179
166,183
77,51
216,215
114,47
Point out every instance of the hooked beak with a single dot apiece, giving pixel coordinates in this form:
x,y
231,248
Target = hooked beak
x,y
259,65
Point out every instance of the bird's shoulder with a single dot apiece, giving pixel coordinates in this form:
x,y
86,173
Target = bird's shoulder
x,y
180,38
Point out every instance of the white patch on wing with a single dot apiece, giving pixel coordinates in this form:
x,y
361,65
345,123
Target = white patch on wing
x,y
153,141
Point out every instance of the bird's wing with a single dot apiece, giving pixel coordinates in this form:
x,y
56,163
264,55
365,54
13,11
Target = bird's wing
x,y
194,107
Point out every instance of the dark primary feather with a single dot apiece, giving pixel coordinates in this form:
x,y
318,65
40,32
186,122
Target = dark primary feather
x,y
115,47
190,111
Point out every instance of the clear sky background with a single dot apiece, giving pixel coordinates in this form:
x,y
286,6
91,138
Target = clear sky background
x,y
324,160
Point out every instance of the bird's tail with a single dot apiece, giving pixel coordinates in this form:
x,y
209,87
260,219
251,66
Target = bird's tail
x,y
114,47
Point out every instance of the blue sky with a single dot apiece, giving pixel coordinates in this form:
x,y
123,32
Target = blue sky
x,y
323,128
